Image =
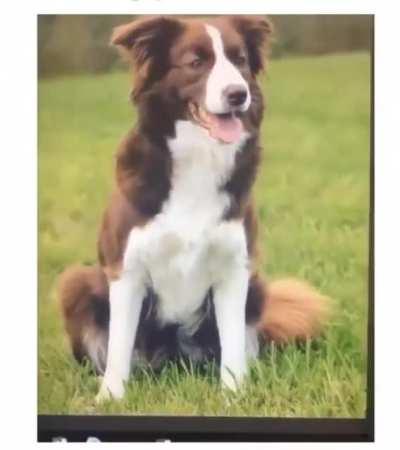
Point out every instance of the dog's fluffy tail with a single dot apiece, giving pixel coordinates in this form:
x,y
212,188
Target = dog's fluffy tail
x,y
293,311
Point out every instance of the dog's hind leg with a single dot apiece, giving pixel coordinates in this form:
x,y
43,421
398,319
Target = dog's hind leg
x,y
83,296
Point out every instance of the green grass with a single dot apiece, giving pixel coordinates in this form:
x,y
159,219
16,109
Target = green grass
x,y
313,201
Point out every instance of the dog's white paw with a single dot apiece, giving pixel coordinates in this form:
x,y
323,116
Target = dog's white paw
x,y
110,389
231,381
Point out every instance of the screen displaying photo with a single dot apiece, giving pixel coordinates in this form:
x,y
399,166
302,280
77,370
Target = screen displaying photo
x,y
204,215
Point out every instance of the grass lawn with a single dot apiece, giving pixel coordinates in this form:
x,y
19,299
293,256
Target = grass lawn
x,y
313,201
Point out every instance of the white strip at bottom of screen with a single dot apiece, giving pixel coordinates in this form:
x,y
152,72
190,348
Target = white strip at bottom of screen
x,y
63,439
95,439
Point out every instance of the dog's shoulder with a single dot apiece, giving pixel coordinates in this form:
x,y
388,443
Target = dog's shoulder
x,y
143,172
142,185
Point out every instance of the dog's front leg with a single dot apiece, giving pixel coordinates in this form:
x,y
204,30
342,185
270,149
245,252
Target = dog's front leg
x,y
126,298
230,307
230,294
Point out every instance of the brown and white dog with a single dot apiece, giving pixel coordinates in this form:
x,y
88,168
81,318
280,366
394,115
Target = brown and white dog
x,y
178,240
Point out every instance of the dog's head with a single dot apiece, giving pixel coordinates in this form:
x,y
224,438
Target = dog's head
x,y
204,70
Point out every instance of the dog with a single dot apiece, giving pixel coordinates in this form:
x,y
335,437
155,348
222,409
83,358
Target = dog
x,y
176,276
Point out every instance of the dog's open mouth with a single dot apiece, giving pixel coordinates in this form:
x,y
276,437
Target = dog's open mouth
x,y
226,128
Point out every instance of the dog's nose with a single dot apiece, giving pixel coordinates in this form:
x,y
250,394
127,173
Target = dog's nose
x,y
235,94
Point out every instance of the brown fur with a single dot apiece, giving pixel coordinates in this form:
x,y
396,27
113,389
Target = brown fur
x,y
293,311
83,299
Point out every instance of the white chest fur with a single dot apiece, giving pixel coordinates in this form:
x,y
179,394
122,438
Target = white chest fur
x,y
186,248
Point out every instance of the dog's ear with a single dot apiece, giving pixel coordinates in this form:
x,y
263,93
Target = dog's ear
x,y
145,37
257,32
145,43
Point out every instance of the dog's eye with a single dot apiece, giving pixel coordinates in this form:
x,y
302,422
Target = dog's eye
x,y
196,63
240,60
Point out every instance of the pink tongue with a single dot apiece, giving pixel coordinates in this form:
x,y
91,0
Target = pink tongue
x,y
227,130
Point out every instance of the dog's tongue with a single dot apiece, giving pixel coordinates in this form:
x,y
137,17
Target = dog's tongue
x,y
226,129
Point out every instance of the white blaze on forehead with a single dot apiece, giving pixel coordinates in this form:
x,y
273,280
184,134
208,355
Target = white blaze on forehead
x,y
223,74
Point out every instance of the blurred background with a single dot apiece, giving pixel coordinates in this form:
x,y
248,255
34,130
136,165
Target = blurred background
x,y
79,43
